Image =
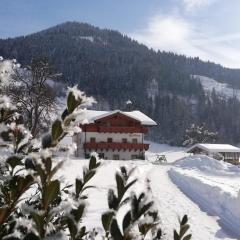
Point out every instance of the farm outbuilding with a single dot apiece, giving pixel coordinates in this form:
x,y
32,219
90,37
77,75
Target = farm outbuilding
x,y
225,152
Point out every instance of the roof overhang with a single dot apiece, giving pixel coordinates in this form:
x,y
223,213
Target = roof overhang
x,y
93,116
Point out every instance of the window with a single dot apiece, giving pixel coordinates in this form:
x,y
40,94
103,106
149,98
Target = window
x,y
134,140
92,139
101,155
124,140
109,140
115,157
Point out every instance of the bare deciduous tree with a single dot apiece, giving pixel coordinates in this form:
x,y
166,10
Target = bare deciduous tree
x,y
32,93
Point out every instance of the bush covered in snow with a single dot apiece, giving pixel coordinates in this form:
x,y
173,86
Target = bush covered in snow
x,y
35,204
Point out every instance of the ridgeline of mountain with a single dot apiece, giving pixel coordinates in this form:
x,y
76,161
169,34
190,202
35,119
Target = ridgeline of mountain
x,y
114,68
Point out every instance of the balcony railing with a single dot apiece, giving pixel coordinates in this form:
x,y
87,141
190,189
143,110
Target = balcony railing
x,y
116,146
103,129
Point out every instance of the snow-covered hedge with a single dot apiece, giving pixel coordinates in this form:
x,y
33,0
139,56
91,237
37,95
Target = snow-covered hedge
x,y
210,197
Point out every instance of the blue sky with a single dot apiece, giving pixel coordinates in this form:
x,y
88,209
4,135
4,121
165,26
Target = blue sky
x,y
209,29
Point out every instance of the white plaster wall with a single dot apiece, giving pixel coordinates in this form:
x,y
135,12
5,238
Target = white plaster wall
x,y
123,155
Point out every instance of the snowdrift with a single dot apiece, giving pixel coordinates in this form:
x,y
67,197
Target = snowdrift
x,y
208,165
198,177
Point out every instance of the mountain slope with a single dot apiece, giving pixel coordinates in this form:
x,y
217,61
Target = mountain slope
x,y
114,68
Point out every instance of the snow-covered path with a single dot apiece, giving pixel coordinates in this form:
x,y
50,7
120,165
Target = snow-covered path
x,y
172,203
170,200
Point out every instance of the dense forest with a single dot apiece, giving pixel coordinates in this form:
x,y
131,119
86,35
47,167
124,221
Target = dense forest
x,y
114,68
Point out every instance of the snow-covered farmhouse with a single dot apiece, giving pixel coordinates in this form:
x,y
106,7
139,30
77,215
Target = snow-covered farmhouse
x,y
225,152
113,134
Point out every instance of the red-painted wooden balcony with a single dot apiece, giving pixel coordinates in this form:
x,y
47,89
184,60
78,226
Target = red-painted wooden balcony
x,y
122,130
116,146
102,129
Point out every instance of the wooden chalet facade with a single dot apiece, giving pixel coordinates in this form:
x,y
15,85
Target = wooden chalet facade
x,y
113,135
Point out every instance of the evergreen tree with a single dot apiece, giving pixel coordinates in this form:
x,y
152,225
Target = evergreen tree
x,y
199,134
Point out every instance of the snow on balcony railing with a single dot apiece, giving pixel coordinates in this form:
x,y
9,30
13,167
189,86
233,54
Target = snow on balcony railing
x,y
116,146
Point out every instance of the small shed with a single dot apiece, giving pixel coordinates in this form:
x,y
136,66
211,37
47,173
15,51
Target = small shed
x,y
225,152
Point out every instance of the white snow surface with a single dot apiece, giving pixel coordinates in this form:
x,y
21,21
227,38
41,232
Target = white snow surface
x,y
210,216
7,67
89,38
208,165
222,88
214,186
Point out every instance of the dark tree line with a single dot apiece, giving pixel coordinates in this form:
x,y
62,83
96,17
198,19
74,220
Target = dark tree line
x,y
113,68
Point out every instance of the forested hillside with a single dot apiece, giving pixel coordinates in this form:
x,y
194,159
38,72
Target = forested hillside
x,y
113,68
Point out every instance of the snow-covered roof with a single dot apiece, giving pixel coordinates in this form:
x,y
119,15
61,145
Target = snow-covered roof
x,y
92,115
214,148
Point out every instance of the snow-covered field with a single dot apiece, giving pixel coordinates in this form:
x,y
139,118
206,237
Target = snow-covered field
x,y
207,191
